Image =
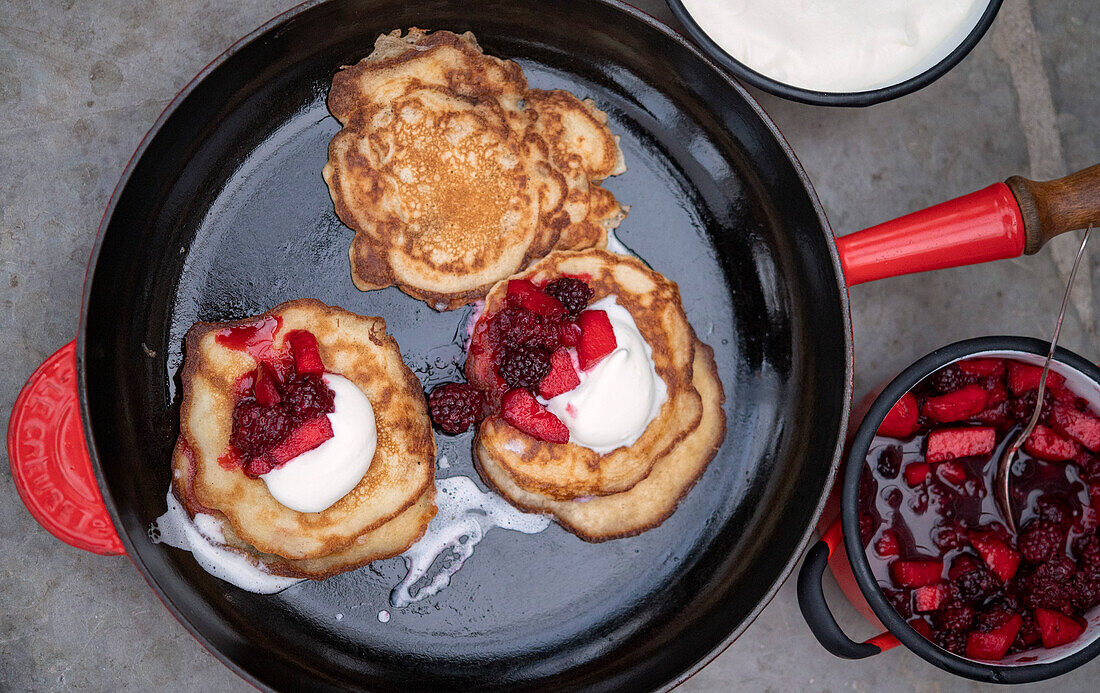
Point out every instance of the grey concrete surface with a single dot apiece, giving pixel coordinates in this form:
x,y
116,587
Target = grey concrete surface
x,y
80,82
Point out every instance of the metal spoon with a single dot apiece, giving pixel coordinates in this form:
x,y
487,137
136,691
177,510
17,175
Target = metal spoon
x,y
1004,465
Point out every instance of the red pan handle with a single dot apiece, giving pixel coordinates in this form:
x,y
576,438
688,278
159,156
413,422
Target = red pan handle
x,y
49,458
1004,220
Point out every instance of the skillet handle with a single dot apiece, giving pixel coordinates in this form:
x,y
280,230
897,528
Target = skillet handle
x,y
49,458
1002,221
811,600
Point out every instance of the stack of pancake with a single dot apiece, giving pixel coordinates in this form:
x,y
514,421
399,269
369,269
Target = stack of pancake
x,y
381,517
630,489
455,175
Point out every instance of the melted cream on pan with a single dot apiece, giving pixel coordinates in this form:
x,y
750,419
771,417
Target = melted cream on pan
x,y
465,514
203,538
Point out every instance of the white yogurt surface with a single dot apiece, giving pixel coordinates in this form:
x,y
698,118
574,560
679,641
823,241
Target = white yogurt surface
x,y
838,45
619,396
314,480
203,538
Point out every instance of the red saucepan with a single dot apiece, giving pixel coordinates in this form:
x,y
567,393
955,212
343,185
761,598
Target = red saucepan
x,y
223,213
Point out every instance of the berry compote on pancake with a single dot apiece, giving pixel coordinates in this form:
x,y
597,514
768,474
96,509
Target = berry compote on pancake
x,y
281,406
934,534
533,350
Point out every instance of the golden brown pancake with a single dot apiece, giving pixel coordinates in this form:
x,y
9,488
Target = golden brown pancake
x,y
652,500
385,541
454,175
401,473
569,471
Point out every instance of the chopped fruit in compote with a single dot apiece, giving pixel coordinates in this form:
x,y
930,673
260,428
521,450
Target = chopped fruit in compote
x,y
901,421
529,347
597,338
925,504
522,410
281,406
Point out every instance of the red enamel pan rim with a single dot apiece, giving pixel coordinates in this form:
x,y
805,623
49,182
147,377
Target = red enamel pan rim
x,y
631,13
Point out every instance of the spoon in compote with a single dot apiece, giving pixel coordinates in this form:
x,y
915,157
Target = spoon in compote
x,y
1004,464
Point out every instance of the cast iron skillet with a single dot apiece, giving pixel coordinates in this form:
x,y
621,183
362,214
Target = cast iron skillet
x,y
225,214
222,213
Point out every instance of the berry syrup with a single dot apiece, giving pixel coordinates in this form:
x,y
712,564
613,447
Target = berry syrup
x,y
934,534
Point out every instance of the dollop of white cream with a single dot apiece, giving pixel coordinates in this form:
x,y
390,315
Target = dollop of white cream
x,y
316,479
204,539
619,396
837,45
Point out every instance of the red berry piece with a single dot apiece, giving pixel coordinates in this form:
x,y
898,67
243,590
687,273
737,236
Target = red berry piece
x,y
951,472
930,597
1057,629
456,407
1000,558
993,645
984,367
256,428
569,333
922,627
307,357
520,409
573,293
956,406
901,420
1023,377
1081,426
308,397
304,438
524,293
265,385
562,376
916,573
915,473
887,545
951,443
1047,445
597,338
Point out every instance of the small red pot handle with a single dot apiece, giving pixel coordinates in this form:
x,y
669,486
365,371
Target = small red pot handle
x,y
49,458
1002,221
811,601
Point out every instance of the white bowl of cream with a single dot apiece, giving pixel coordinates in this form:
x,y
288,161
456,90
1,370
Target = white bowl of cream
x,y
837,52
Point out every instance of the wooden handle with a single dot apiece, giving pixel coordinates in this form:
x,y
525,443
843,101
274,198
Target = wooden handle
x,y
1053,207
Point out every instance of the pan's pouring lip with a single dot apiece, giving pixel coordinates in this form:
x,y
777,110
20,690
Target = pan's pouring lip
x,y
617,5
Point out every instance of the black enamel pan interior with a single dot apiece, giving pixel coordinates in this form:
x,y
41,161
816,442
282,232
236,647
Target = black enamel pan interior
x,y
223,213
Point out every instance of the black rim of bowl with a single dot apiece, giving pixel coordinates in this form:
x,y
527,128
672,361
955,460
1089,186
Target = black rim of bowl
x,y
857,557
825,98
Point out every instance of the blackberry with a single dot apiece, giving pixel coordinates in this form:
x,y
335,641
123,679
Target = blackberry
x,y
889,461
953,641
256,428
1052,510
948,379
307,397
1051,586
955,615
1040,540
516,325
977,585
573,294
899,599
455,407
524,366
1020,408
